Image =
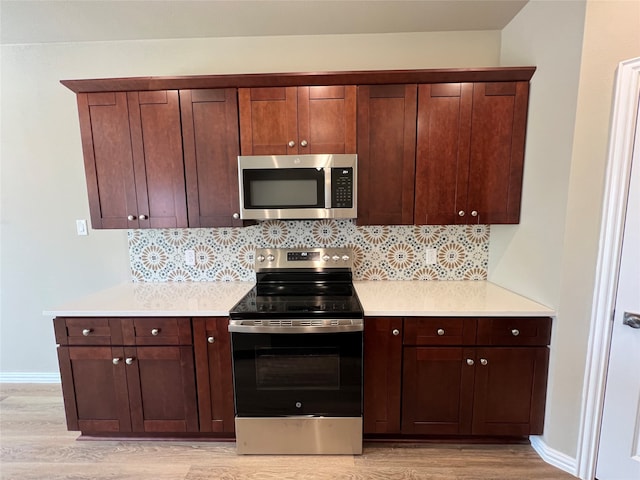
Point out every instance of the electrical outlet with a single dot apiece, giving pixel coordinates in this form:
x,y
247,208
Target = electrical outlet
x,y
190,257
431,256
81,227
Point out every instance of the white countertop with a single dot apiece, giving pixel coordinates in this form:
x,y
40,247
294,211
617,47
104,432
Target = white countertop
x,y
378,298
444,298
179,299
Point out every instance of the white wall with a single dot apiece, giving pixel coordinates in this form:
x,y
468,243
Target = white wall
x,y
43,190
551,256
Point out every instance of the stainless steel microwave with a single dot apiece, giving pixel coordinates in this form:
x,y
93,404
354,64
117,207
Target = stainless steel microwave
x,y
298,186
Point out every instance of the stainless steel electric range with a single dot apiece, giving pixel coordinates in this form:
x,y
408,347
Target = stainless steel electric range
x,y
296,339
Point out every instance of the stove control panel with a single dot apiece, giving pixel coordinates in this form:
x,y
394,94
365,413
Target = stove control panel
x,y
321,258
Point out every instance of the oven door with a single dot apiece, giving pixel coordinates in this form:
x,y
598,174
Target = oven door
x,y
285,374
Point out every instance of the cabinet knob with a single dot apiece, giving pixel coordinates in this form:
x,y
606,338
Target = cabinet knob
x,y
155,331
131,217
303,143
440,331
474,213
129,360
483,361
461,213
395,332
292,144
143,217
470,361
116,361
86,332
515,332
211,339
236,216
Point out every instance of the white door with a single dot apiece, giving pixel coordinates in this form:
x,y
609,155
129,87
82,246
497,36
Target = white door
x,y
619,451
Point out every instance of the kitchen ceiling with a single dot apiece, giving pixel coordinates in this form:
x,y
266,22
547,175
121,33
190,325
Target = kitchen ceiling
x,y
29,21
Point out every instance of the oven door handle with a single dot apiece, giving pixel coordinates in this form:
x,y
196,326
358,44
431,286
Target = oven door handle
x,y
295,329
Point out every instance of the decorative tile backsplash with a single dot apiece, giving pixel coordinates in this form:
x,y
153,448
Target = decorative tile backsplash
x,y
380,252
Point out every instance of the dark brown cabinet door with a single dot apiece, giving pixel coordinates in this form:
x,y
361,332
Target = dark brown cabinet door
x,y
108,159
212,346
437,392
157,155
470,152
211,149
94,386
510,390
162,390
382,375
386,154
442,157
132,148
297,120
497,151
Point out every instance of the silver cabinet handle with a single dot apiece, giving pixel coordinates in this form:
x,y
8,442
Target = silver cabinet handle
x,y
129,360
470,361
631,319
131,217
440,331
483,361
474,213
211,339
461,213
395,332
86,332
116,361
236,216
292,144
143,217
155,331
515,332
303,143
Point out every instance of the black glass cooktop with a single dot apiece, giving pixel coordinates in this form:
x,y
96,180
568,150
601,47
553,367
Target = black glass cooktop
x,y
331,304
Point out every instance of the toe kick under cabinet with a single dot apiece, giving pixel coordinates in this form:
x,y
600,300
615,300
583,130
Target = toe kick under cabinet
x,y
448,376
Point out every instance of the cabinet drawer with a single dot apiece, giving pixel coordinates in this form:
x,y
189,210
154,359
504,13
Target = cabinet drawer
x,y
87,331
514,331
439,331
157,331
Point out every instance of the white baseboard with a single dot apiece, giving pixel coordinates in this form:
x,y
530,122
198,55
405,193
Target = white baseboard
x,y
554,457
27,377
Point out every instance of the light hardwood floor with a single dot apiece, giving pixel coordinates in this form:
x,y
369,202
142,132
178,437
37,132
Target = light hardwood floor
x,y
36,445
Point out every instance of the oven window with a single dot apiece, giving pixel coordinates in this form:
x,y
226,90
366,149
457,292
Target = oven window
x,y
298,368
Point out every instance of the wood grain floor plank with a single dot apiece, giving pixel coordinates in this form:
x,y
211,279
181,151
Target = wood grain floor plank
x,y
35,445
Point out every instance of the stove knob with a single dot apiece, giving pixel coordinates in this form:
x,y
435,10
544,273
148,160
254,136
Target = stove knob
x,y
326,258
335,258
271,258
260,258
345,258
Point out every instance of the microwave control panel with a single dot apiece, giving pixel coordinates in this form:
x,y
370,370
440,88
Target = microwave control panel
x,y
342,187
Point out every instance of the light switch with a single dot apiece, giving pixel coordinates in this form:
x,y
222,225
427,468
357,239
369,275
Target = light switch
x,y
431,256
81,227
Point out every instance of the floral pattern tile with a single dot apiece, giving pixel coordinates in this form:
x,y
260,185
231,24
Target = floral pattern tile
x,y
380,252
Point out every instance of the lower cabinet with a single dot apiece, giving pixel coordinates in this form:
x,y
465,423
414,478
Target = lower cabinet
x,y
111,384
212,346
431,376
459,376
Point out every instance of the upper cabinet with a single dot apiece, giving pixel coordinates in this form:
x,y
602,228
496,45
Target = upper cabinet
x,y
470,152
297,120
434,146
386,154
211,149
133,159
